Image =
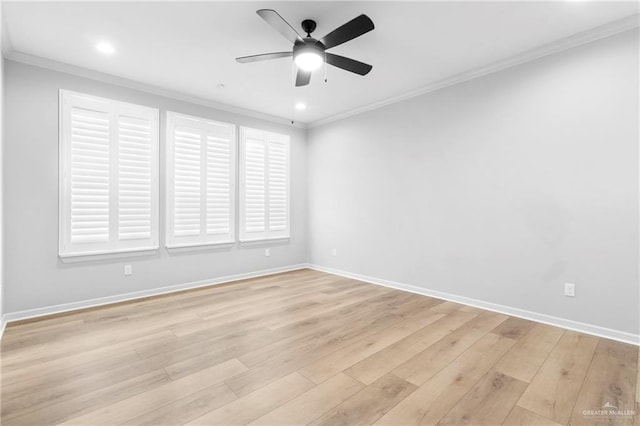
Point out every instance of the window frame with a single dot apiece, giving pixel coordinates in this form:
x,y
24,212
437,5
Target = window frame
x,y
170,242
267,235
115,248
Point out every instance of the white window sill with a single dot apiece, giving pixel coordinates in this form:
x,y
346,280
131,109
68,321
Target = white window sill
x,y
265,242
187,248
107,255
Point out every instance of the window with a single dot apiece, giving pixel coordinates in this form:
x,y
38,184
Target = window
x,y
264,185
201,173
108,176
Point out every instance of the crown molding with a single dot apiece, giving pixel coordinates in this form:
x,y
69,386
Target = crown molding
x,y
597,33
13,55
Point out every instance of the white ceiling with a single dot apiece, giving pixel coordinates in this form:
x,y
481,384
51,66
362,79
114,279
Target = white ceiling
x,y
190,47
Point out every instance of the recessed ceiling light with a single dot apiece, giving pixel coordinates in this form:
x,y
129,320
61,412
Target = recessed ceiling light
x,y
106,48
301,106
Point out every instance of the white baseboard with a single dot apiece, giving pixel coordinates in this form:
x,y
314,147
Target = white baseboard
x,y
74,306
3,325
595,330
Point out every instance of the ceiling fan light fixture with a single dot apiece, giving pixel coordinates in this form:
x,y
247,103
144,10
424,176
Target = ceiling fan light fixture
x,y
308,60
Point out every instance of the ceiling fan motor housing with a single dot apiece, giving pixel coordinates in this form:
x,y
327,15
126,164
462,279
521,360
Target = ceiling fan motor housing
x,y
308,45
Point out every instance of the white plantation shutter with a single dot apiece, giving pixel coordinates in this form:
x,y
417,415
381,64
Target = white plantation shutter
x,y
200,181
187,164
109,175
254,185
264,185
220,184
88,177
135,169
278,162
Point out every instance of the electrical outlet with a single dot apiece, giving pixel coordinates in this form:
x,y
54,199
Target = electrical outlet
x,y
267,252
569,289
334,252
127,270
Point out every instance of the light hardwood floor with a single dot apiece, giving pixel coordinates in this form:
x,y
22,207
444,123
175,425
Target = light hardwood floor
x,y
308,348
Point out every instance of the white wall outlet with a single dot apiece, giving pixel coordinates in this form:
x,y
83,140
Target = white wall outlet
x,y
267,252
569,289
334,252
127,270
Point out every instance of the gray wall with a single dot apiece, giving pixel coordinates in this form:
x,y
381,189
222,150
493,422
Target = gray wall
x,y
35,277
500,189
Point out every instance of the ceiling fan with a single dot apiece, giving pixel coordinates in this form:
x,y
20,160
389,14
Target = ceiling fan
x,y
309,53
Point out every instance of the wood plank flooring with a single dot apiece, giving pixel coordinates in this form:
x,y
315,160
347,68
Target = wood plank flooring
x,y
306,347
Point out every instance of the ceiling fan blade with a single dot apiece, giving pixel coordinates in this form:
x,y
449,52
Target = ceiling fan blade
x,y
279,24
352,29
348,64
263,57
303,78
